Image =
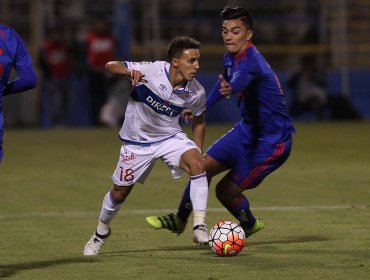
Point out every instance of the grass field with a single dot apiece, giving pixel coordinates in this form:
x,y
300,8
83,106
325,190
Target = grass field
x,y
315,208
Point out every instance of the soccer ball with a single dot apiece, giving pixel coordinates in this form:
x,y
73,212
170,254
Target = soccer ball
x,y
226,239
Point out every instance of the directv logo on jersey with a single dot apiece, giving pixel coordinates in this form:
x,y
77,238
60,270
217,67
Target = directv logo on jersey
x,y
161,107
144,94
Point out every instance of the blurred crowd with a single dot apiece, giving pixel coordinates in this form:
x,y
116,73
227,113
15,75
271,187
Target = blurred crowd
x,y
75,88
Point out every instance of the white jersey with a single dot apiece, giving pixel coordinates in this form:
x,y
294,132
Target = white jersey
x,y
154,107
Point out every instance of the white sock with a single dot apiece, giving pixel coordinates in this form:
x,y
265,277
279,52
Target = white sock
x,y
107,213
199,197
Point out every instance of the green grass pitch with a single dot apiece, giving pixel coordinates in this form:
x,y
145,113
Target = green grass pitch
x,y
315,208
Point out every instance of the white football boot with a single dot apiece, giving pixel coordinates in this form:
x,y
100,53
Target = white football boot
x,y
200,234
94,244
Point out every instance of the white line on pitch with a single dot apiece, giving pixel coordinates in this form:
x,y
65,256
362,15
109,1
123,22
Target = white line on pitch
x,y
154,211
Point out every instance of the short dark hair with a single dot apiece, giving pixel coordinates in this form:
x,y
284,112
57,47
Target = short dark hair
x,y
238,12
180,43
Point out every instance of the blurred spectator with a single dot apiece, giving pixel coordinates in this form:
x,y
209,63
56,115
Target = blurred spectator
x,y
100,48
308,88
113,112
55,64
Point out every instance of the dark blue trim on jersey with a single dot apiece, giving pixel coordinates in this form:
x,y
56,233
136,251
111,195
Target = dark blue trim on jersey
x,y
146,144
143,94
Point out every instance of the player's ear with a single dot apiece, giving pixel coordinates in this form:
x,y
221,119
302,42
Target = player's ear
x,y
175,62
249,35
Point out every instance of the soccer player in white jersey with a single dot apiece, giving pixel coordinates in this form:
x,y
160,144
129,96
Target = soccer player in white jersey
x,y
151,131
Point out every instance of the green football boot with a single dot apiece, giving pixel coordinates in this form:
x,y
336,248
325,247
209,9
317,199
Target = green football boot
x,y
171,222
258,226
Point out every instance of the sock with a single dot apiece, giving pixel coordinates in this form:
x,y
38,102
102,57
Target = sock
x,y
199,217
199,197
185,206
107,213
240,210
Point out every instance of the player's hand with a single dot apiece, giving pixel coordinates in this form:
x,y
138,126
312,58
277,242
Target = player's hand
x,y
225,88
187,115
136,77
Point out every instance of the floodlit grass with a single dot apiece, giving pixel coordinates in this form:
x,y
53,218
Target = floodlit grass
x,y
315,208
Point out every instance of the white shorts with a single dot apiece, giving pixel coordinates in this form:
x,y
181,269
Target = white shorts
x,y
136,161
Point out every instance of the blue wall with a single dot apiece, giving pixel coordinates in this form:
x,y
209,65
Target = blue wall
x,y
226,110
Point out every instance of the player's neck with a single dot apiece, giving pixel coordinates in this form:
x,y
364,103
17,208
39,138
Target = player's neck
x,y
176,79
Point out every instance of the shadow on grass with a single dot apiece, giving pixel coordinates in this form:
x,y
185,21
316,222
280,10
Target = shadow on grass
x,y
11,269
291,240
161,249
287,240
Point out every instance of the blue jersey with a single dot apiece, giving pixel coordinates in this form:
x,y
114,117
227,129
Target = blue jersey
x,y
260,97
13,53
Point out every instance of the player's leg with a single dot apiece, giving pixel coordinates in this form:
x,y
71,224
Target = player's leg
x,y
248,173
192,162
177,222
213,167
111,204
232,198
131,168
217,159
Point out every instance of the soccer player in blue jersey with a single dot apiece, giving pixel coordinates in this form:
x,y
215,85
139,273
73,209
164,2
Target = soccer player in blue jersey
x,y
13,54
258,144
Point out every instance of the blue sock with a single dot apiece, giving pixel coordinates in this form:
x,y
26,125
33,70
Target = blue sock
x,y
185,207
240,210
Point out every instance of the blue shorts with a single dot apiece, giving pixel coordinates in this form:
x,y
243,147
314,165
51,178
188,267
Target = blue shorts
x,y
249,164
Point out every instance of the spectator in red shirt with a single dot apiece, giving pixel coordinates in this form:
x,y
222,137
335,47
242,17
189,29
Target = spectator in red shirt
x,y
101,48
55,64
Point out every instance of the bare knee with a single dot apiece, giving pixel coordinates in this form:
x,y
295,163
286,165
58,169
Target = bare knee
x,y
119,193
197,167
226,191
192,163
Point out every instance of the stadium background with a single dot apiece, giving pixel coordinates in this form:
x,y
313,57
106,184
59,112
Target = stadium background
x,y
337,32
315,207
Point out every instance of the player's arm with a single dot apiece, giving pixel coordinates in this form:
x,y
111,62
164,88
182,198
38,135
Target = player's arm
x,y
221,89
199,129
27,80
240,80
119,68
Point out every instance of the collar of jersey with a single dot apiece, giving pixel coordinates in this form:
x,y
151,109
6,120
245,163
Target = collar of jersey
x,y
180,90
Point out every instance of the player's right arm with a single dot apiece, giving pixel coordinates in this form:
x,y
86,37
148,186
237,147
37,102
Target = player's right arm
x,y
119,68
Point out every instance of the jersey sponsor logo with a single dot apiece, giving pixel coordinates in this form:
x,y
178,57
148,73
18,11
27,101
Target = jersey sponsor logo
x,y
145,95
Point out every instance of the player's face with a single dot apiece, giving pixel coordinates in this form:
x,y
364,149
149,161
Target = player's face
x,y
188,64
236,36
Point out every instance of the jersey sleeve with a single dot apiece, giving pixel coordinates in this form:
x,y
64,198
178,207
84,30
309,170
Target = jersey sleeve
x,y
240,80
198,104
144,67
22,58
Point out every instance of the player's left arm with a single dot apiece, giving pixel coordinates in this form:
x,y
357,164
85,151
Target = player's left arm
x,y
27,80
199,130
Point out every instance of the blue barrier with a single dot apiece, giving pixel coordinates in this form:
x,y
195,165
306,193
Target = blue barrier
x,y
226,110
